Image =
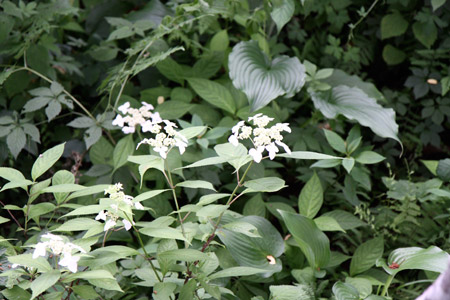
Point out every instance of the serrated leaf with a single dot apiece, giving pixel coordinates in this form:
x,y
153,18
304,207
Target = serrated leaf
x,y
311,197
263,80
32,131
313,242
366,255
354,104
92,135
53,109
214,93
36,103
16,140
81,122
43,282
46,160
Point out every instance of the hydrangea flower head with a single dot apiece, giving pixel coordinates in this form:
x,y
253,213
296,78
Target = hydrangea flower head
x,y
57,246
133,117
263,138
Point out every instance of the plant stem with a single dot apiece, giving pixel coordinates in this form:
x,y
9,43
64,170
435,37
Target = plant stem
x,y
386,285
350,35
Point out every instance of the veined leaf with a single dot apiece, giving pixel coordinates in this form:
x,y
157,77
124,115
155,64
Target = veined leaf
x,y
263,80
354,104
214,93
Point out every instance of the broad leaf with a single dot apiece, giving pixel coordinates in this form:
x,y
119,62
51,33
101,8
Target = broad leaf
x,y
311,197
354,104
313,242
266,184
123,149
282,12
46,160
263,80
235,272
345,291
292,292
43,282
214,93
366,255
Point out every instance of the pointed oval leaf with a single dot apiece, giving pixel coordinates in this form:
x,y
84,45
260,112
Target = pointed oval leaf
x,y
311,197
366,255
46,160
214,93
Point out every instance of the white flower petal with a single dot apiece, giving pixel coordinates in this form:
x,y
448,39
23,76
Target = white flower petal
x,y
101,216
233,140
109,224
236,127
255,154
40,250
124,107
156,118
128,129
118,121
127,224
146,126
272,149
285,147
71,262
138,205
148,106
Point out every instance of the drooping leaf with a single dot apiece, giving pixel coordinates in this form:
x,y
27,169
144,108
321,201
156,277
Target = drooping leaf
x,y
123,149
354,104
263,80
43,282
16,140
282,12
366,255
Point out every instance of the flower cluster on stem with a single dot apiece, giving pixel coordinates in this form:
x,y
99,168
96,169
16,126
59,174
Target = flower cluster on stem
x,y
56,245
262,138
120,201
166,139
133,117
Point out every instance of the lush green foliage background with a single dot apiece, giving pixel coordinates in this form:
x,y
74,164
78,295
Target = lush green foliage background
x,y
363,85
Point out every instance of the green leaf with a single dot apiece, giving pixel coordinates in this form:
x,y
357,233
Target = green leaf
x,y
311,197
253,251
78,224
207,199
236,272
11,174
345,291
326,223
164,290
46,160
354,104
94,274
335,141
14,184
307,155
362,285
366,255
16,141
426,33
194,131
263,80
85,292
214,93
171,70
123,149
235,156
3,220
445,83
174,109
189,255
255,207
266,184
414,258
148,195
95,189
348,163
53,109
163,233
437,3
206,162
345,219
242,227
40,209
91,136
60,188
107,284
369,157
36,103
313,242
16,293
292,292
43,282
212,210
220,41
196,184
393,25
443,169
282,12
40,263
62,177
208,65
393,56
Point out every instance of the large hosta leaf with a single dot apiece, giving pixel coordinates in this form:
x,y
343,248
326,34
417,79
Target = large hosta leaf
x,y
263,80
414,258
257,252
355,104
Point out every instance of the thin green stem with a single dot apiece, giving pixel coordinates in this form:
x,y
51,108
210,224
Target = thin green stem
x,y
350,35
143,248
386,285
180,219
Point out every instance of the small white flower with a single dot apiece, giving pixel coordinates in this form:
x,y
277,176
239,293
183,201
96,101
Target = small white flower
x,y
101,216
272,149
124,107
181,146
156,118
40,249
255,154
147,126
285,147
138,205
238,126
148,106
127,224
119,121
109,224
71,262
233,140
128,129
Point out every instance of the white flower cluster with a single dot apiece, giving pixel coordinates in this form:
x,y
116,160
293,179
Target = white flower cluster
x,y
164,141
262,138
134,117
57,246
112,215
